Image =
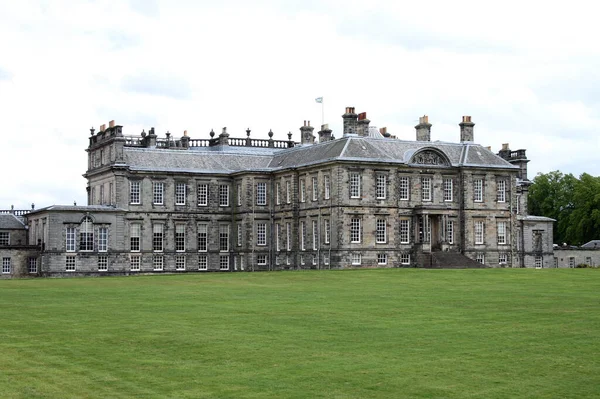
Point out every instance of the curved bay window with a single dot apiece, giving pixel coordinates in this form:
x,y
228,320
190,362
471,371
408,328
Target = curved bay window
x,y
86,235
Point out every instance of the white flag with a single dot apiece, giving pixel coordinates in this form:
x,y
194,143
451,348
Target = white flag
x,y
319,99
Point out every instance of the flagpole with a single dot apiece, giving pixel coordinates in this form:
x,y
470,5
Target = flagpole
x,y
322,113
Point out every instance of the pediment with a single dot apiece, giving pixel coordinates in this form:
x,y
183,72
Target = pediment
x,y
430,157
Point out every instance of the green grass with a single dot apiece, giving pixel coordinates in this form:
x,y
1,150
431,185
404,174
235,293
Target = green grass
x,y
339,334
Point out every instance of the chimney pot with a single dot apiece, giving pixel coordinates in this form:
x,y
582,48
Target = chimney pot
x,y
185,134
111,124
505,146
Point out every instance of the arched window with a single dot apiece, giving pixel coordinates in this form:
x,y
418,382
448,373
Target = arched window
x,y
86,235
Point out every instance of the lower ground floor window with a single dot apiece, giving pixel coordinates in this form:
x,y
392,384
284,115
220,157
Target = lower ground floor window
x,y
70,265
6,265
405,259
261,260
571,262
326,259
382,259
555,262
242,262
158,262
180,262
538,261
32,262
202,262
480,257
287,260
224,262
134,262
102,263
502,258
314,260
356,258
301,259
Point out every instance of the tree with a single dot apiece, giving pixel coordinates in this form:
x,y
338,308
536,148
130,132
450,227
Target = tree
x,y
574,203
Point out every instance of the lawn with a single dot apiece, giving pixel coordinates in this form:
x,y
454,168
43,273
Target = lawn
x,y
391,333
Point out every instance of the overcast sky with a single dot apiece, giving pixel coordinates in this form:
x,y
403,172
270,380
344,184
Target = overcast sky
x,y
529,75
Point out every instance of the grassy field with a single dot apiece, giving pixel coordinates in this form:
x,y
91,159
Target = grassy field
x,y
329,334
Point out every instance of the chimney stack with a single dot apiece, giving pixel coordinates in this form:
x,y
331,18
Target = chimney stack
x,y
224,137
306,136
349,121
362,125
466,130
325,133
111,124
423,129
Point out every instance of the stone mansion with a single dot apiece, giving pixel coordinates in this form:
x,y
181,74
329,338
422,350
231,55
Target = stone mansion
x,y
365,199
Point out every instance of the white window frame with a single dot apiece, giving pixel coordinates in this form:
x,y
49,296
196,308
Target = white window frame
x,y
381,186
158,237
404,188
102,239
202,237
261,193
288,194
180,193
261,234
315,235
327,186
158,193
302,190
478,190
135,192
180,239
382,258
158,262
203,262
277,238
86,235
302,235
4,238
315,188
355,231
224,238
135,262
326,259
277,193
327,228
223,262
202,194
70,239
571,262
135,237
404,225
223,195
261,260
501,228
356,258
32,265
405,259
71,263
380,231
288,236
355,185
480,258
426,189
102,263
239,234
502,258
6,265
479,232
448,189
450,231
538,262
239,195
180,262
501,190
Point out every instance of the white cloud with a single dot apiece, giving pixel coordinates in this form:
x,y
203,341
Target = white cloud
x,y
527,74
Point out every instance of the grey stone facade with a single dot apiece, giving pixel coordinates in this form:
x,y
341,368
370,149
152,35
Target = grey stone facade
x,y
231,204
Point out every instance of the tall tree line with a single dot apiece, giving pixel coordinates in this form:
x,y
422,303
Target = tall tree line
x,y
573,202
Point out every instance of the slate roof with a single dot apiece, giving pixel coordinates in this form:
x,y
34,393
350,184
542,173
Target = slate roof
x,y
594,244
78,208
533,218
11,222
225,159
